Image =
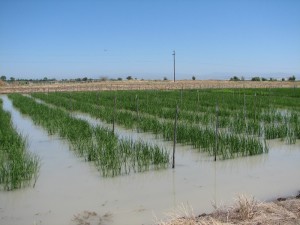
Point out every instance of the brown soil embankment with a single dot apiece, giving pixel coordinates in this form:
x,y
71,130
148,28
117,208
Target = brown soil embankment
x,y
246,211
140,85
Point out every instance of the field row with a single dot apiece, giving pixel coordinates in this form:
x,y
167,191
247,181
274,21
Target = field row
x,y
249,114
222,123
112,155
18,167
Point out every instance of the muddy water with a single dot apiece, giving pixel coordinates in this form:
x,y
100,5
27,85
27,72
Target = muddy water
x,y
68,188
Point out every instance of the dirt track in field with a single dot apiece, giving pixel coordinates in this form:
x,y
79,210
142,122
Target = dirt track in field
x,y
140,85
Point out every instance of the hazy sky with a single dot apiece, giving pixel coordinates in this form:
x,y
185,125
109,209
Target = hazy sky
x,y
94,38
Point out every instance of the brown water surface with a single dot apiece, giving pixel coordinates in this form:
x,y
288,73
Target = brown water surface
x,y
68,187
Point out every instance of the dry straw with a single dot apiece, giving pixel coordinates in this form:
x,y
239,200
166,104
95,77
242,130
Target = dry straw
x,y
245,211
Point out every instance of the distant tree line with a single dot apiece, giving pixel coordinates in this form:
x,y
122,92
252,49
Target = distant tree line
x,y
12,79
103,78
235,78
49,80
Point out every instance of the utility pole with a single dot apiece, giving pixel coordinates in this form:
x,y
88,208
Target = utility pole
x,y
174,63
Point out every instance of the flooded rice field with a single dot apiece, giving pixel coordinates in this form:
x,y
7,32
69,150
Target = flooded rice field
x,y
71,191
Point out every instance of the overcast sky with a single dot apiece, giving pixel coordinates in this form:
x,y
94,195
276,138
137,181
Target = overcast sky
x,y
95,38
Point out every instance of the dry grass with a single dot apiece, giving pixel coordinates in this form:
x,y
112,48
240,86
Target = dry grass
x,y
246,211
246,207
141,85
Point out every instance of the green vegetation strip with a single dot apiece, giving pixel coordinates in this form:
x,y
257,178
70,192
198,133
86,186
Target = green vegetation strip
x,y
111,155
247,111
18,167
204,138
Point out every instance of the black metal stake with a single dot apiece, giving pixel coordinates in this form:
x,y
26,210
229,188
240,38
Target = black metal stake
x,y
137,112
114,116
217,125
175,135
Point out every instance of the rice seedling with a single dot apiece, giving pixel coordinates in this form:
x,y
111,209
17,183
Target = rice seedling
x,y
18,167
111,155
247,115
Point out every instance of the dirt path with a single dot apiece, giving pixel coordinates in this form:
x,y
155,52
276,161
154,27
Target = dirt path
x,y
140,85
